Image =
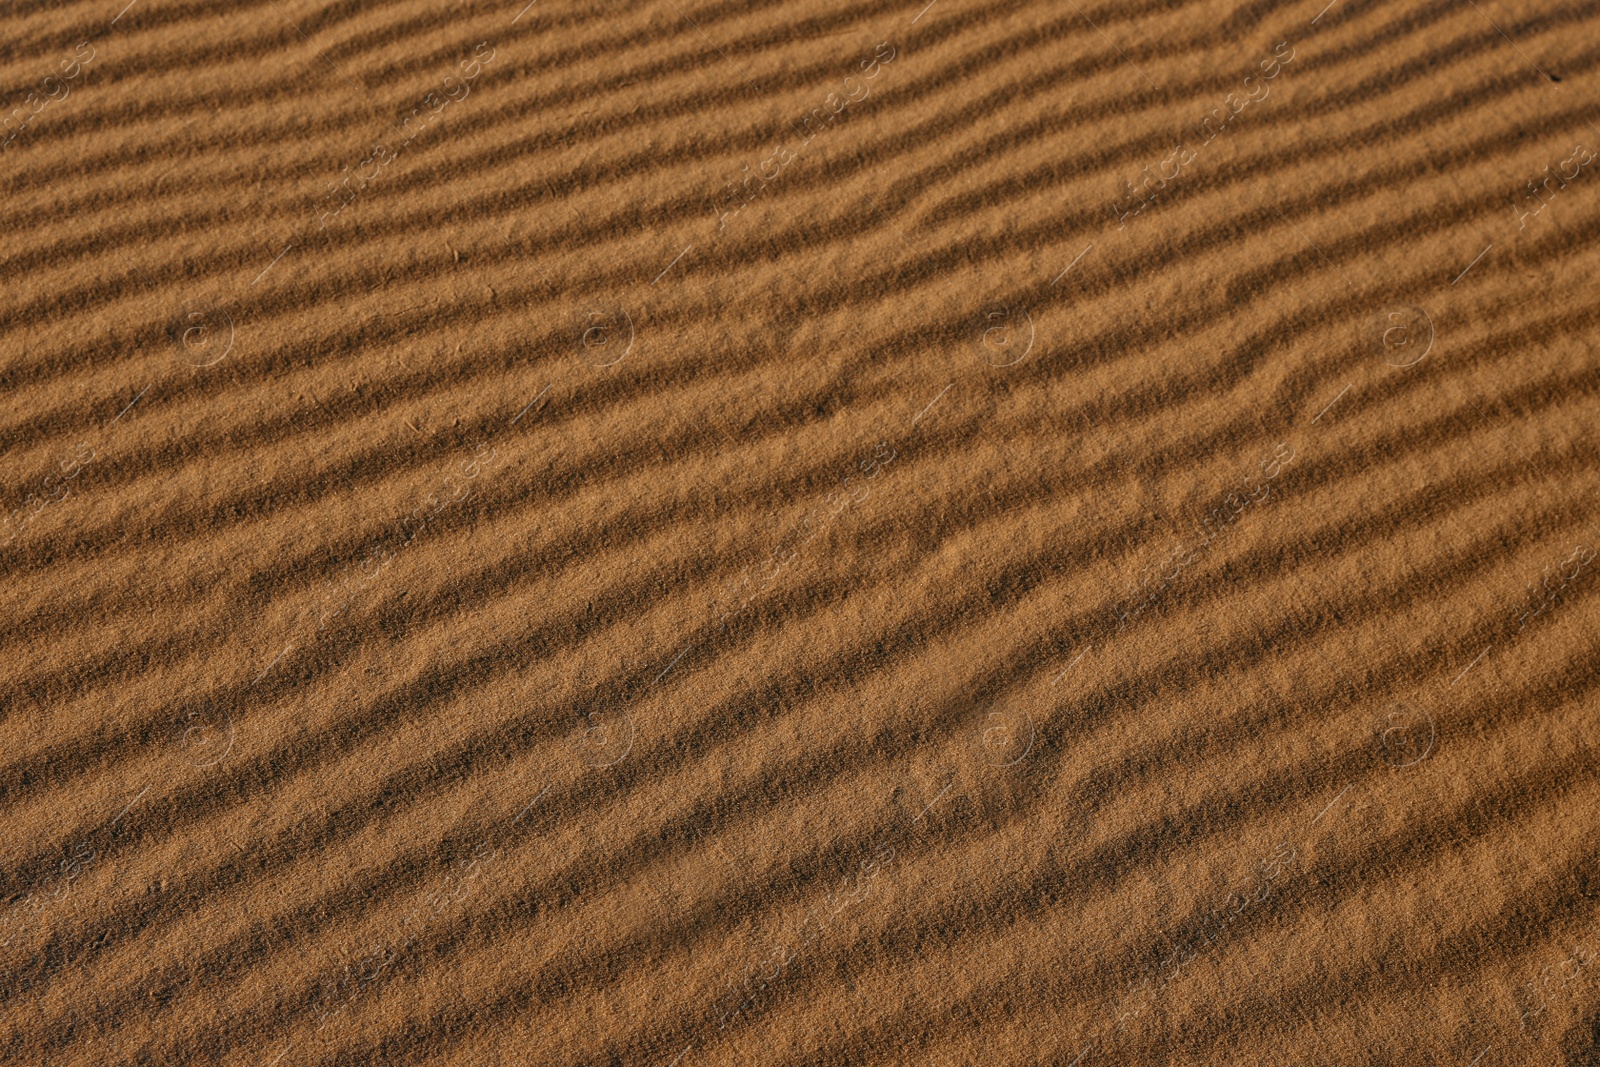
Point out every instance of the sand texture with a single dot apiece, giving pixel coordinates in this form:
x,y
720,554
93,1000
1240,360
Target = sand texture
x,y
700,533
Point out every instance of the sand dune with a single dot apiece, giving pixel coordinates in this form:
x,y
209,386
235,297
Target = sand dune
x,y
799,534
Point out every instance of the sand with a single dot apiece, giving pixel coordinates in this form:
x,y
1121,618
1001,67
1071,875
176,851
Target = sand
x,y
694,533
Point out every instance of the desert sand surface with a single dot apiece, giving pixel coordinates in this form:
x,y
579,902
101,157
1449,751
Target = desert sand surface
x,y
690,532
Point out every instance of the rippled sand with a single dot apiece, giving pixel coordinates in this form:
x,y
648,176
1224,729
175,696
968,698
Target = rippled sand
x,y
696,533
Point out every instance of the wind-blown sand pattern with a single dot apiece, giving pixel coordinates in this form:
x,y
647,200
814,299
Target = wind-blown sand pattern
x,y
696,533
